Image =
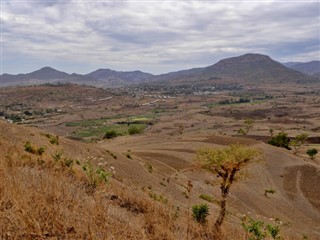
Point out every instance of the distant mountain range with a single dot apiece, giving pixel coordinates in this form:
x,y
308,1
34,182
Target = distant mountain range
x,y
310,68
246,69
110,77
99,78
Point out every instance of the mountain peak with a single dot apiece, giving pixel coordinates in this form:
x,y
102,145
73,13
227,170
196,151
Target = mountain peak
x,y
47,68
255,68
249,57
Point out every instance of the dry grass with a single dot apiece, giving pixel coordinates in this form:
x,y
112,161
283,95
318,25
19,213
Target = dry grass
x,y
41,198
39,202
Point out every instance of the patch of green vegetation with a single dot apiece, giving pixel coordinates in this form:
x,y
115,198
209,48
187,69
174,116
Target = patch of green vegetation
x,y
95,176
140,119
100,131
252,95
312,152
280,140
57,155
136,129
68,162
28,147
234,101
52,139
110,134
257,230
143,117
100,128
14,118
207,198
93,122
200,213
158,197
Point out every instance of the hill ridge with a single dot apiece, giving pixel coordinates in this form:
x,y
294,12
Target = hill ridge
x,y
252,68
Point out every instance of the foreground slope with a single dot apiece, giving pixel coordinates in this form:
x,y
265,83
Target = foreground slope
x,y
44,197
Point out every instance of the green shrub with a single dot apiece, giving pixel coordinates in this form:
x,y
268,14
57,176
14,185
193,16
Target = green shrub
x,y
200,213
158,197
54,140
255,229
274,231
40,150
312,152
280,140
95,176
110,134
28,147
258,231
57,155
134,130
68,162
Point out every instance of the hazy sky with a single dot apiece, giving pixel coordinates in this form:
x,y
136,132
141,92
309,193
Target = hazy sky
x,y
153,36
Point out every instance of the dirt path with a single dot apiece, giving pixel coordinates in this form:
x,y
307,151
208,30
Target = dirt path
x,y
302,186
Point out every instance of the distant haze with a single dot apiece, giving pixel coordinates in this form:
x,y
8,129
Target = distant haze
x,y
157,37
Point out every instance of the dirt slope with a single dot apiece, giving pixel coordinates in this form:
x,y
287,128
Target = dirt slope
x,y
295,181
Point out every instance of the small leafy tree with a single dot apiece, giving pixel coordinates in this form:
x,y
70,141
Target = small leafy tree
x,y
299,140
312,152
200,213
225,163
280,140
248,124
